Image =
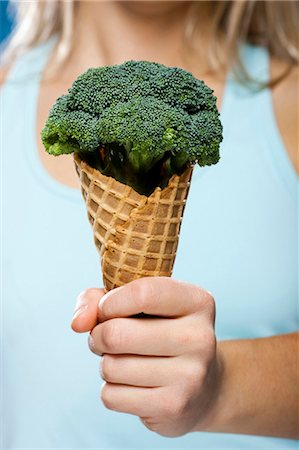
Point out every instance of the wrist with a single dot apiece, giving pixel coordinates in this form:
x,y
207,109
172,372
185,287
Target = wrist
x,y
214,394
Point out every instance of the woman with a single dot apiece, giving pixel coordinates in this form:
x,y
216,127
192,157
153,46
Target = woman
x,y
238,241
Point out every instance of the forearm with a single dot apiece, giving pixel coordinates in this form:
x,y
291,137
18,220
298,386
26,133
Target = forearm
x,y
258,388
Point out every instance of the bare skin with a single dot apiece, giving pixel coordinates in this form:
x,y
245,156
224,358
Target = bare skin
x,y
222,390
170,372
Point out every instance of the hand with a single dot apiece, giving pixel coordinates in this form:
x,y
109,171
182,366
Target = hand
x,y
163,369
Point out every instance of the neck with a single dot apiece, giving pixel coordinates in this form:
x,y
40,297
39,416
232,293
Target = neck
x,y
118,31
112,32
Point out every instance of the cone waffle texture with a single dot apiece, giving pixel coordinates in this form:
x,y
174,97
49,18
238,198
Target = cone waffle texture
x,y
136,235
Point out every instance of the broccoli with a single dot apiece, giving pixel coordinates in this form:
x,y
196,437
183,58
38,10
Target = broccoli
x,y
139,122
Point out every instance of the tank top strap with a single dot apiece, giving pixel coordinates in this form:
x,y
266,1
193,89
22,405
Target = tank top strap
x,y
240,100
29,66
256,61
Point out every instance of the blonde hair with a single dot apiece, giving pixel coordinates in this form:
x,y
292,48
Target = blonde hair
x,y
273,24
36,22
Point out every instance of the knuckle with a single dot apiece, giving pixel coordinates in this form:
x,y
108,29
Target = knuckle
x,y
142,292
111,336
205,301
196,338
197,297
209,304
208,338
209,345
106,396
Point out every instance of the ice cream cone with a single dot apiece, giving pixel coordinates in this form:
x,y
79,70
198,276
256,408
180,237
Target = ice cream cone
x,y
135,235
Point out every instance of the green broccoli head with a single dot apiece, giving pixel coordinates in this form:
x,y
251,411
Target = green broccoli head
x,y
139,122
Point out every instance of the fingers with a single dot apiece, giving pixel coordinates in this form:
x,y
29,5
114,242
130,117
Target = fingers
x,y
85,315
148,371
156,337
130,399
161,409
142,371
160,296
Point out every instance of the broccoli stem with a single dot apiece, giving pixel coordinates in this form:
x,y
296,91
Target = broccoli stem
x,y
115,160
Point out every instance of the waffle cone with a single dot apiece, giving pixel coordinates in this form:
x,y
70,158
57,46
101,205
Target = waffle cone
x,y
135,235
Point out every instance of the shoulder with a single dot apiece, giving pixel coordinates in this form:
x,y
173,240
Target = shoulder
x,y
285,101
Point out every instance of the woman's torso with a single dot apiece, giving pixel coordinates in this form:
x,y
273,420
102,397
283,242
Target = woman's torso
x,y
238,239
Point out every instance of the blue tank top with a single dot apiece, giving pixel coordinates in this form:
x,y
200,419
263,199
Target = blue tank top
x,y
238,239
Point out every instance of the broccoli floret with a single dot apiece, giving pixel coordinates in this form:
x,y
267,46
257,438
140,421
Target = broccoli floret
x,y
139,122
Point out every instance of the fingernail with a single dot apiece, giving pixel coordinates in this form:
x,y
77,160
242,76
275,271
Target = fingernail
x,y
91,342
79,311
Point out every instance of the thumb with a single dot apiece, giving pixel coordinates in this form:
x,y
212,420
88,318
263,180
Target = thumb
x,y
85,316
